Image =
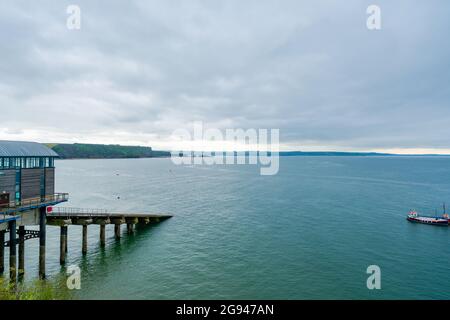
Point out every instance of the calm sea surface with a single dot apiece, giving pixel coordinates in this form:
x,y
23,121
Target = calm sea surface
x,y
309,232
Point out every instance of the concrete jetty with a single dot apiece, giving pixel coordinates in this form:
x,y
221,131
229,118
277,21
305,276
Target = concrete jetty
x,y
64,217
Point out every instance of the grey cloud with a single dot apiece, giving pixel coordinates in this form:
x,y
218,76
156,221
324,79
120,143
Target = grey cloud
x,y
145,68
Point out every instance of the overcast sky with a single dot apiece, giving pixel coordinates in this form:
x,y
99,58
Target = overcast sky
x,y
137,70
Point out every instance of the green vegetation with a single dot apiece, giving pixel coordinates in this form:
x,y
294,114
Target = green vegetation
x,y
37,290
101,151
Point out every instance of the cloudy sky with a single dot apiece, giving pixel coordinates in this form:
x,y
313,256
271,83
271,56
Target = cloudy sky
x,y
138,70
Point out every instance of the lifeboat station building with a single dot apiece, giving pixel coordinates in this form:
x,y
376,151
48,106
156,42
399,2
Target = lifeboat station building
x,y
27,188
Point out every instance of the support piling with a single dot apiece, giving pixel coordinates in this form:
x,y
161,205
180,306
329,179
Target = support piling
x,y
2,251
84,247
42,238
21,250
102,235
130,227
117,230
63,245
12,250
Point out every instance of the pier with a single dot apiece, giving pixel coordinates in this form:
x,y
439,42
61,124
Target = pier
x,y
14,217
64,217
28,198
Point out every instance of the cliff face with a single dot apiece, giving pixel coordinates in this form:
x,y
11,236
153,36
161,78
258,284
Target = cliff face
x,y
100,151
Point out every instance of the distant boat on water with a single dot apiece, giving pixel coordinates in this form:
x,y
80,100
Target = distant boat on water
x,y
443,220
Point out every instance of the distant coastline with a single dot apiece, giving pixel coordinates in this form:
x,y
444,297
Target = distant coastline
x,y
103,151
353,154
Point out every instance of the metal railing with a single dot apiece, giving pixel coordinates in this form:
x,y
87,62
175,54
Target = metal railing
x,y
6,217
79,212
10,208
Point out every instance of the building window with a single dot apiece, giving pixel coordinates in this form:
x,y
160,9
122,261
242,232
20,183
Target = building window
x,y
26,162
18,182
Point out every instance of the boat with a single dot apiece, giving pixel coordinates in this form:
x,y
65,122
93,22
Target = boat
x,y
413,216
